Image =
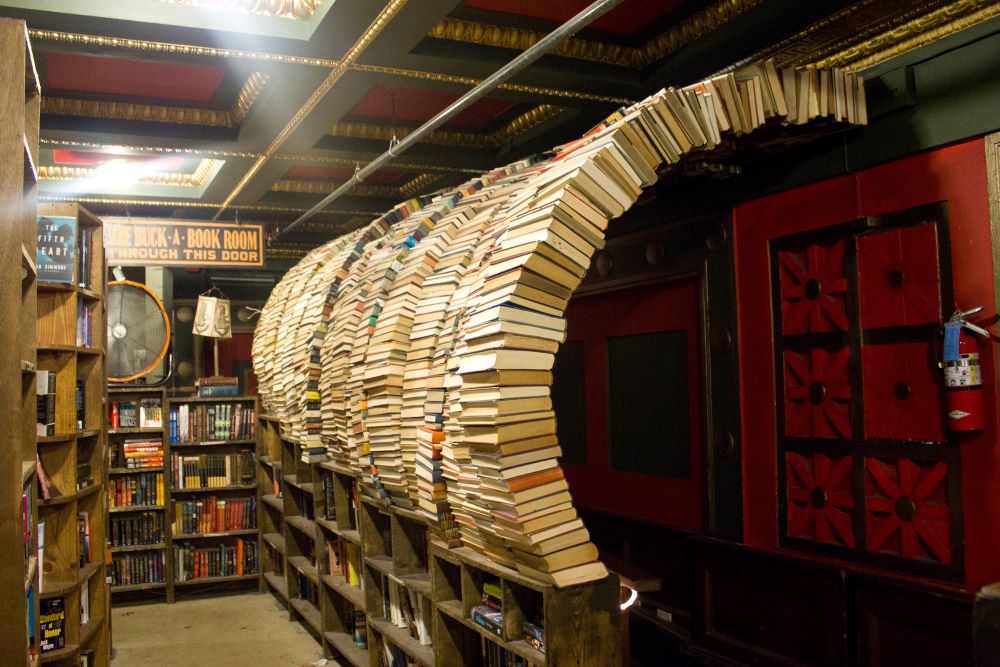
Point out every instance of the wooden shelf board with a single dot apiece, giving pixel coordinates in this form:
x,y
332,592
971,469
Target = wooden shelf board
x,y
67,651
138,547
328,524
401,638
89,630
302,564
132,471
138,587
206,536
175,400
309,613
278,583
354,594
307,487
54,588
28,469
28,262
32,575
88,491
421,583
276,540
382,563
58,500
267,417
344,644
352,535
89,294
526,651
132,431
337,468
453,608
267,461
94,351
305,526
477,560
88,570
49,286
217,580
274,501
212,443
58,437
89,433
135,508
214,489
134,390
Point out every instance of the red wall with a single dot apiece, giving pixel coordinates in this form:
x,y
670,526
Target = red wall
x,y
956,174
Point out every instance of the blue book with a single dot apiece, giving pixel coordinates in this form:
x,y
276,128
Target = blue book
x,y
56,253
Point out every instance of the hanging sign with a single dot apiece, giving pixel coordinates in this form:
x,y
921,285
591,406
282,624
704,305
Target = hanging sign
x,y
152,242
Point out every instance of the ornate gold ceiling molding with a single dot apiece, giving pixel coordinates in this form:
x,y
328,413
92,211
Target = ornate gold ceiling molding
x,y
193,204
300,10
405,166
193,180
118,43
913,34
364,41
326,187
374,132
152,113
506,37
416,184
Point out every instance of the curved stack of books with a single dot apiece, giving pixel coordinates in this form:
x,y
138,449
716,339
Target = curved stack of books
x,y
419,349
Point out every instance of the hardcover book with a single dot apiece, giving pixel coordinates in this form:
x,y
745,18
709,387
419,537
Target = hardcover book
x,y
56,248
52,620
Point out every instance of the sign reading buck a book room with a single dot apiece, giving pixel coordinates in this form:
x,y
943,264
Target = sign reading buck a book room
x,y
150,242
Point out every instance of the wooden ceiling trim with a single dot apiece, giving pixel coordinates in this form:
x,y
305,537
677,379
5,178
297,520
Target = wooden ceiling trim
x,y
155,113
300,10
408,189
118,43
654,50
377,25
473,140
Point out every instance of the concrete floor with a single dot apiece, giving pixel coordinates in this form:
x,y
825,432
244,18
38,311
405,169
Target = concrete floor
x,y
245,630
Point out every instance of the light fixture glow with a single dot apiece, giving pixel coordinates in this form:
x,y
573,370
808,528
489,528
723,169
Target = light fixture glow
x,y
633,596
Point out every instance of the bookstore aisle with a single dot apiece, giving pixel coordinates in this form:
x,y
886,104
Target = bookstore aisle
x,y
191,633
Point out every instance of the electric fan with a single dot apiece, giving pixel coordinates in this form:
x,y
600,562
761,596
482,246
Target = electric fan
x,y
138,331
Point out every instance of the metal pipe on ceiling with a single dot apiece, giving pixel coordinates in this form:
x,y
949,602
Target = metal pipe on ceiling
x,y
522,61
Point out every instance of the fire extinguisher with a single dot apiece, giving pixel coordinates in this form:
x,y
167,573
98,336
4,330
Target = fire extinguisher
x,y
963,379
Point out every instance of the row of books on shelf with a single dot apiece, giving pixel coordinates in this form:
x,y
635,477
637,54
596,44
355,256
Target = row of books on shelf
x,y
139,454
144,413
194,423
85,324
345,559
308,591
205,471
388,654
144,488
85,253
45,403
214,515
237,559
489,615
406,609
131,569
60,261
329,508
217,386
83,529
136,529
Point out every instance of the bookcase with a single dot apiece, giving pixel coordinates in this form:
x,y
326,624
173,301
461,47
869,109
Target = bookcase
x,y
184,502
19,107
137,503
345,564
70,399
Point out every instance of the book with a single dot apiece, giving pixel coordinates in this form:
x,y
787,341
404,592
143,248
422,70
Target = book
x,y
56,254
52,623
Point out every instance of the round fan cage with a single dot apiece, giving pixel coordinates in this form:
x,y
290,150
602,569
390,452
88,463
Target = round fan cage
x,y
138,331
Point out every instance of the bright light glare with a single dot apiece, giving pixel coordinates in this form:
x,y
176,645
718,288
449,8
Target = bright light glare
x,y
633,596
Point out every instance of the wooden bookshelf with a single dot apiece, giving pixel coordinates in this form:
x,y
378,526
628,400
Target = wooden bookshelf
x,y
74,456
320,504
19,107
149,511
177,445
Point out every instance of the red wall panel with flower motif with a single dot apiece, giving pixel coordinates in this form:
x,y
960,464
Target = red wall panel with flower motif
x,y
841,287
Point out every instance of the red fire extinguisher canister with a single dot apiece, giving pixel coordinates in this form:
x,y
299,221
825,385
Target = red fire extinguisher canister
x,y
963,380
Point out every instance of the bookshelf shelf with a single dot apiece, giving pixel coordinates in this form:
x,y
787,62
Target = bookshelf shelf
x,y
134,431
412,647
307,487
345,646
302,564
68,651
89,630
381,564
210,443
57,588
354,594
276,541
135,508
28,262
219,399
138,587
278,584
88,294
309,612
27,472
138,547
132,471
305,526
209,536
217,580
274,502
215,489
58,437
46,286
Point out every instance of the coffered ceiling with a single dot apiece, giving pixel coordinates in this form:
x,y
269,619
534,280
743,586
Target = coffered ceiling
x,y
257,108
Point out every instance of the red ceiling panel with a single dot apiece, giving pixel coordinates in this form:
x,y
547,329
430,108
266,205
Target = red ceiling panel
x,y
131,78
416,106
627,18
338,175
92,159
